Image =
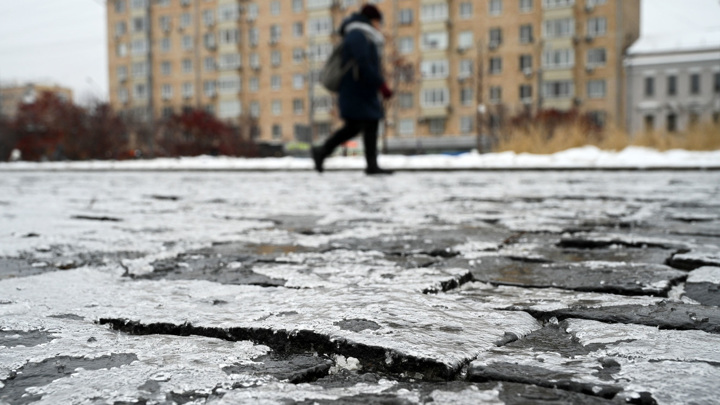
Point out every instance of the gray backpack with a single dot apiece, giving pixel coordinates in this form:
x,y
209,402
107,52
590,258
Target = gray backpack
x,y
332,73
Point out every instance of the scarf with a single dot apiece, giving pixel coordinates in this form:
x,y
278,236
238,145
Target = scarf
x,y
375,36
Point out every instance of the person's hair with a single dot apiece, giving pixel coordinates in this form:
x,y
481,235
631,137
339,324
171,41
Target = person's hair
x,y
371,12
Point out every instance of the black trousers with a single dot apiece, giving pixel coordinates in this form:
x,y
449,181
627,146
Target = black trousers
x,y
369,129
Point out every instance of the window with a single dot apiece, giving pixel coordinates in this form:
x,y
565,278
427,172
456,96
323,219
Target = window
x,y
466,10
297,6
695,83
229,85
230,61
465,68
435,69
209,88
559,58
187,66
298,55
593,3
437,40
298,29
465,40
406,45
526,6
209,40
275,58
275,7
275,33
671,122
434,12
716,85
185,20
167,91
649,86
165,45
559,28
229,36
298,81
165,23
558,89
439,97
140,91
320,52
405,16
208,17
526,63
495,94
121,73
253,36
209,64
277,107
254,109
277,131
649,123
526,93
138,4
598,118
557,3
139,47
319,4
120,28
228,12
120,6
597,26
437,126
466,96
322,104
165,68
596,89
229,109
275,82
254,84
496,7
123,95
187,42
526,34
495,65
254,60
596,57
188,90
466,124
495,37
320,26
139,69
252,11
405,100
298,106
406,127
139,24
672,85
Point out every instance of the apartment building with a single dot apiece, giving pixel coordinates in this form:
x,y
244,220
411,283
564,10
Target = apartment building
x,y
12,96
673,82
458,66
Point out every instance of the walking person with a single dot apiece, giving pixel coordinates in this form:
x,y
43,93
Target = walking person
x,y
360,88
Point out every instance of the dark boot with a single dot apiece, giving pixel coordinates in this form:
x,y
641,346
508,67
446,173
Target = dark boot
x,y
370,143
318,156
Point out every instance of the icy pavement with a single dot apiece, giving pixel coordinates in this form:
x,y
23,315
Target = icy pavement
x,y
293,288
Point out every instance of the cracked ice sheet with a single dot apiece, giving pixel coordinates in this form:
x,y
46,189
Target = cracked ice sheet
x,y
346,268
439,328
177,364
545,299
690,360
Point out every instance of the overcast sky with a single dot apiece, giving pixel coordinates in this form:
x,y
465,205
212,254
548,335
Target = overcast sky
x,y
63,41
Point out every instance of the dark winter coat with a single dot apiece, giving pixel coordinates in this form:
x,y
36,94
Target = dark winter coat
x,y
358,96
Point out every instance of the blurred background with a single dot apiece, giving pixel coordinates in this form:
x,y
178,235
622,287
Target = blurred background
x,y
128,79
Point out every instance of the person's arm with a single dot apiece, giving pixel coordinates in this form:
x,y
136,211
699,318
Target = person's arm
x,y
359,49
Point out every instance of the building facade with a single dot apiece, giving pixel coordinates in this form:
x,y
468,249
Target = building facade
x,y
12,96
458,66
674,82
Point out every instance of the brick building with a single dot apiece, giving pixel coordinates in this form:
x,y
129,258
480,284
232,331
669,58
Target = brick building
x,y
12,96
457,65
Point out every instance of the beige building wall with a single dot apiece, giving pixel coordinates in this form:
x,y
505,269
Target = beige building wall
x,y
11,97
465,32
